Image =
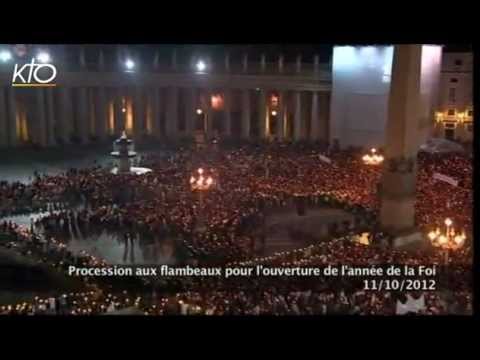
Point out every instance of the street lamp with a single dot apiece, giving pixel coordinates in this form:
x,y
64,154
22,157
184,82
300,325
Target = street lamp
x,y
129,64
5,55
373,158
199,111
200,184
201,66
448,240
43,57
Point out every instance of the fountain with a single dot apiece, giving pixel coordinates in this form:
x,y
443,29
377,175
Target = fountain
x,y
123,151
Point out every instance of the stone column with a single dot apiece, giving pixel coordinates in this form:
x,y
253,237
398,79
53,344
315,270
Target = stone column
x,y
190,112
101,61
156,61
3,119
41,117
280,64
156,112
297,118
245,63
12,116
138,113
263,64
174,59
315,119
209,115
82,114
119,115
298,65
65,118
138,61
245,114
262,113
315,63
101,114
172,112
81,58
324,116
227,62
280,128
119,56
398,182
227,130
50,117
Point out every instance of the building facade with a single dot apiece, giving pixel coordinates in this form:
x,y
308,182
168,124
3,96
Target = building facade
x,y
361,88
98,95
454,116
102,90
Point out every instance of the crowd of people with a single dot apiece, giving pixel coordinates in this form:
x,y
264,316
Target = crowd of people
x,y
160,204
255,296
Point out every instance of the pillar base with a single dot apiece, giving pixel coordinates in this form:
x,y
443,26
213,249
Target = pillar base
x,y
408,238
397,214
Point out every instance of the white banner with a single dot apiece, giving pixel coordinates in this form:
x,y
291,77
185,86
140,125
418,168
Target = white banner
x,y
411,306
445,178
324,159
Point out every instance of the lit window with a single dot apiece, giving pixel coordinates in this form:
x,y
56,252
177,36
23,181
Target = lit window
x,y
217,102
274,100
451,112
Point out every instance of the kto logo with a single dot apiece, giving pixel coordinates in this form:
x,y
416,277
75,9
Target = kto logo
x,y
42,74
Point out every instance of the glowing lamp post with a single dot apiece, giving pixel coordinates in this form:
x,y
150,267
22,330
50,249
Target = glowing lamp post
x,y
373,158
200,66
201,184
5,55
448,240
129,65
43,57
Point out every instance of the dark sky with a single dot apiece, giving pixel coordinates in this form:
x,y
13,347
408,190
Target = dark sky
x,y
458,48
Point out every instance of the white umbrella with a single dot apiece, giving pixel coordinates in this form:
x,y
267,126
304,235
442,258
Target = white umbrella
x,y
437,145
